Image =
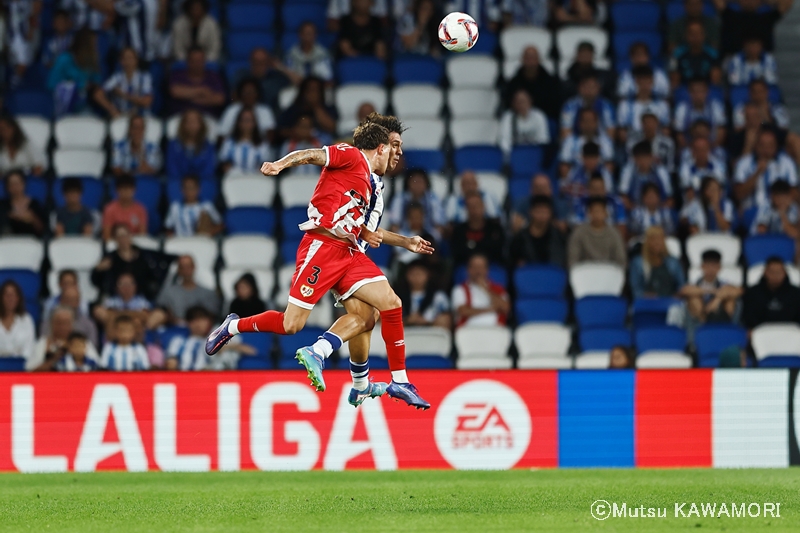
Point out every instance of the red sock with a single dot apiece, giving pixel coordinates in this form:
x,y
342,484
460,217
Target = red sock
x,y
266,322
394,337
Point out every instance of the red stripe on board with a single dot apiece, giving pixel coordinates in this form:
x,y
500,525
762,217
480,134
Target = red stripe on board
x,y
673,418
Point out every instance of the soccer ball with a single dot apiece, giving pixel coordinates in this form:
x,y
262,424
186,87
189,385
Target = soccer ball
x,y
458,32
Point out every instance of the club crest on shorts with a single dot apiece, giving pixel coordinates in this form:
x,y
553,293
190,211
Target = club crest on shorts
x,y
306,291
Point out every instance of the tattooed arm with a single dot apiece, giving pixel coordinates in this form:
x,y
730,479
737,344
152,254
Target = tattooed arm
x,y
313,156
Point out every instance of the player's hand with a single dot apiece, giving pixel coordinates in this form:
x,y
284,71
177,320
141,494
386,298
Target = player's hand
x,y
418,245
373,238
270,169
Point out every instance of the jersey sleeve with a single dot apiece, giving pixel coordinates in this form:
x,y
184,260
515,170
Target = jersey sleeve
x,y
341,155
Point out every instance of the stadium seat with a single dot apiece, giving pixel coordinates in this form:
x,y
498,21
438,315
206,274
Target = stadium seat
x,y
288,251
29,281
31,102
603,339
248,251
427,362
601,311
148,192
295,13
711,339
78,162
211,127
12,364
635,16
488,158
247,362
622,42
265,279
83,132
775,340
417,101
440,185
239,44
731,275
729,246
515,39
663,359
377,347
755,272
381,256
428,347
535,281
153,132
36,187
568,39
423,134
361,70
259,341
759,248
487,342
92,197
526,161
651,311
202,249
430,160
79,253
473,103
473,132
675,9
497,273
595,277
493,183
37,130
166,335
250,16
476,71
417,69
209,190
485,363
21,253
290,219
593,360
669,338
349,98
296,191
541,310
543,346
250,220
288,344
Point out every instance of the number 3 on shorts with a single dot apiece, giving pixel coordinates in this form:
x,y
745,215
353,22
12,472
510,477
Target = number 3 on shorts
x,y
314,277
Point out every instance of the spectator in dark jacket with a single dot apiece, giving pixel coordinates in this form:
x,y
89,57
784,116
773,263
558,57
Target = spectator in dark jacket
x,y
477,234
773,299
540,242
544,88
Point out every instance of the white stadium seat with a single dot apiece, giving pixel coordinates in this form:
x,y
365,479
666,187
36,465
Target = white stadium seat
x,y
482,342
153,129
21,252
594,359
543,346
517,38
348,99
485,363
202,249
755,272
595,277
663,359
88,290
80,132
568,39
265,279
79,162
494,184
440,185
478,71
423,134
286,97
376,348
428,341
36,129
252,189
211,127
295,191
674,247
473,103
145,242
729,246
732,275
248,251
417,101
470,132
776,339
80,253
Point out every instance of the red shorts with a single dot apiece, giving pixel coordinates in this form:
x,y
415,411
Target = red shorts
x,y
325,264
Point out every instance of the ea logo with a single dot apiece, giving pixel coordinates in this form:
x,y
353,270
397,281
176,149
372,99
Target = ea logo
x,y
482,424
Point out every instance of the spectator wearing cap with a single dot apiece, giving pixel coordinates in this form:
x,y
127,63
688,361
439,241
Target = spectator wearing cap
x,y
588,130
595,240
588,97
757,171
643,169
781,215
522,125
700,106
651,212
710,210
710,299
695,59
772,299
662,144
583,64
702,164
541,242
639,56
629,112
655,273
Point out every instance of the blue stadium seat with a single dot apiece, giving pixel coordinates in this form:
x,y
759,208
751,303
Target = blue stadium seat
x,y
759,248
12,364
260,341
622,41
424,362
519,187
676,9
741,94
35,187
603,338
711,339
669,338
253,220
780,361
240,44
487,158
487,43
636,16
430,160
526,161
497,274
651,311
296,13
361,70
29,281
250,16
532,281
601,311
31,102
93,192
148,190
290,218
247,362
289,250
417,69
167,334
209,190
382,255
290,343
541,310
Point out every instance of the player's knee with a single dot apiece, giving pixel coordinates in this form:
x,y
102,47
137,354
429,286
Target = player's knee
x,y
393,302
292,325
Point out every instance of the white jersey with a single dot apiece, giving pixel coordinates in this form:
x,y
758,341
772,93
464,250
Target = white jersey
x,y
377,203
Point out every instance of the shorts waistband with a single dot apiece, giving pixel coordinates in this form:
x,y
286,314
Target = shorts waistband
x,y
328,240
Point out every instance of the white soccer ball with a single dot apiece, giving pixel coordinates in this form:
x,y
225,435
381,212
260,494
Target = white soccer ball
x,y
458,32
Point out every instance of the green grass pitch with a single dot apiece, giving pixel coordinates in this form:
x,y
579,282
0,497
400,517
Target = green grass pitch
x,y
408,501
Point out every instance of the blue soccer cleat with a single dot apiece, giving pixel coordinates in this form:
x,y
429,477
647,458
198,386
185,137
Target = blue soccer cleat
x,y
314,363
373,390
408,393
220,336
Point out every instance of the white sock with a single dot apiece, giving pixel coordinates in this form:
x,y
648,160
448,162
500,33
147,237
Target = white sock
x,y
399,376
233,327
360,374
323,347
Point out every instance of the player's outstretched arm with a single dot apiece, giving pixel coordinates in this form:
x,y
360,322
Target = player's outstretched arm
x,y
415,244
312,156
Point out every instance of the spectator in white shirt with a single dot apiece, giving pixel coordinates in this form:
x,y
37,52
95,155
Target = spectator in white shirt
x,y
629,112
479,301
308,57
663,145
17,151
136,155
455,208
127,301
124,353
127,91
757,171
51,347
523,124
752,63
244,149
781,215
701,106
248,97
639,55
17,331
191,216
702,164
572,145
67,278
710,211
196,27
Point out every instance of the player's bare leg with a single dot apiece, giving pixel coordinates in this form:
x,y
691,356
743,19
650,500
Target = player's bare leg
x,y
359,345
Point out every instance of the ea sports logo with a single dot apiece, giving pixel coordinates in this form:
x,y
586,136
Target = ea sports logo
x,y
482,424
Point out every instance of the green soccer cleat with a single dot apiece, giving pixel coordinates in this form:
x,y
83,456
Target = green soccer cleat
x,y
314,364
